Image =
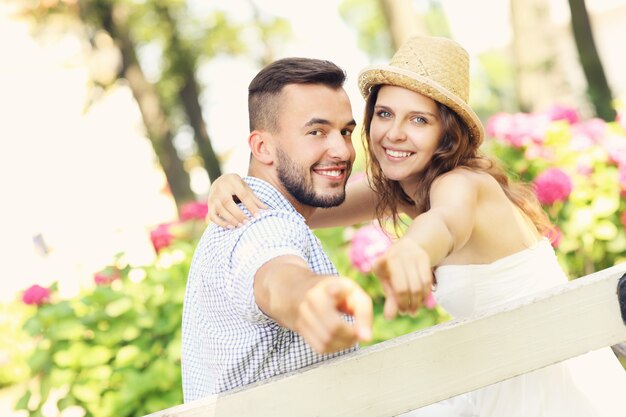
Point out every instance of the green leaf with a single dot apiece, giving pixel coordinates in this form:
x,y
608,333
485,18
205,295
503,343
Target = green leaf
x,y
127,355
87,393
59,376
118,307
95,355
38,360
22,403
605,205
605,230
66,329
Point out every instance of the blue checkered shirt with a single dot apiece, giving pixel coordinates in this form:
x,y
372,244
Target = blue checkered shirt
x,y
227,341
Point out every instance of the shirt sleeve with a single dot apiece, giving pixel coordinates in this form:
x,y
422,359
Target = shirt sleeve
x,y
274,234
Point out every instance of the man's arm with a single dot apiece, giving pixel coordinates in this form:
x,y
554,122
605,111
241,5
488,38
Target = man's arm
x,y
312,305
359,206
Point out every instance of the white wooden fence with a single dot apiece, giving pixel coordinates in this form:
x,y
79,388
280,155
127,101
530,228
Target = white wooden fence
x,y
424,367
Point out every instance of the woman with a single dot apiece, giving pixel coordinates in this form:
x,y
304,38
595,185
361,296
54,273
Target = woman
x,y
482,234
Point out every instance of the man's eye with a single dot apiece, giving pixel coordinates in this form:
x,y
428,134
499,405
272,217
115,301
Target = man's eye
x,y
346,132
315,133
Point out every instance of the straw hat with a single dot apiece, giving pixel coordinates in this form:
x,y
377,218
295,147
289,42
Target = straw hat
x,y
432,66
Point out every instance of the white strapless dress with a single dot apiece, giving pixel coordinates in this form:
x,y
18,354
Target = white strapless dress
x,y
591,385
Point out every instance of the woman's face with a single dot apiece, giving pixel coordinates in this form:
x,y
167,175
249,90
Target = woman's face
x,y
404,132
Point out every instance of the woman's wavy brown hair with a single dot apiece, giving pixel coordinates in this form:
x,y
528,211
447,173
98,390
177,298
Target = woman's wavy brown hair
x,y
455,149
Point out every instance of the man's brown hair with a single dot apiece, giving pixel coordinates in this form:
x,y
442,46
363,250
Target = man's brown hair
x,y
264,90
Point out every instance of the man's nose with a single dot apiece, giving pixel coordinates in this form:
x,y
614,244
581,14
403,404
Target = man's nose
x,y
340,147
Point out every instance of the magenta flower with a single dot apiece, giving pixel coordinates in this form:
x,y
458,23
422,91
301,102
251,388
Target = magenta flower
x,y
594,129
615,146
430,302
161,237
518,129
554,236
553,185
36,295
194,211
621,119
368,243
559,112
106,277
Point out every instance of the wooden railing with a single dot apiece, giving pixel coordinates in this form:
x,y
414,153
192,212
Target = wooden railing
x,y
424,367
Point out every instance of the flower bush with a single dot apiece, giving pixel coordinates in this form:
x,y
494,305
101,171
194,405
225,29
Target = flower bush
x,y
578,169
115,349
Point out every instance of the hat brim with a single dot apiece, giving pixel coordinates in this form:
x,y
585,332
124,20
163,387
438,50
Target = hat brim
x,y
389,75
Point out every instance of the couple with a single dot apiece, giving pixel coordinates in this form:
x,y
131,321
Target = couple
x,y
263,299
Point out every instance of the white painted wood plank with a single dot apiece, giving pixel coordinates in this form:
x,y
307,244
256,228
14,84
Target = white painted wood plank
x,y
437,363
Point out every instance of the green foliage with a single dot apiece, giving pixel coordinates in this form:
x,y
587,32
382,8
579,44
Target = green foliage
x,y
15,345
116,347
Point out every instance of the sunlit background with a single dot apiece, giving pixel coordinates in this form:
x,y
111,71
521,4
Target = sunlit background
x,y
79,178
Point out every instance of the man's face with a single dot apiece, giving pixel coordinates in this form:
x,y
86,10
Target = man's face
x,y
314,152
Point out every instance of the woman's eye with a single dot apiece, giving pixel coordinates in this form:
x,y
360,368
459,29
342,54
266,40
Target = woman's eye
x,y
420,120
383,113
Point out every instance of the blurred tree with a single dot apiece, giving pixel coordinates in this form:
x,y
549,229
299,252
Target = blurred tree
x,y
184,43
402,21
383,25
368,19
270,31
539,72
598,89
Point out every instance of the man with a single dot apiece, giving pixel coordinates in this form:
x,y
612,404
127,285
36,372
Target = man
x,y
264,299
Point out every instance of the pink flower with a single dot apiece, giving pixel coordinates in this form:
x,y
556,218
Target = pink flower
x,y
430,302
584,169
615,146
106,276
559,112
621,119
554,235
194,211
535,151
518,129
36,295
594,129
553,185
161,237
368,243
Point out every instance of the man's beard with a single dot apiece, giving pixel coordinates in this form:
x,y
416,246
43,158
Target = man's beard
x,y
297,182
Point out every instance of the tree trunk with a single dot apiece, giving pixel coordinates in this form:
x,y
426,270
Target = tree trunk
x,y
185,63
540,78
155,120
403,21
190,98
598,88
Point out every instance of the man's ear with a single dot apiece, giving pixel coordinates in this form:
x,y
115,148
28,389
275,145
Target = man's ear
x,y
261,146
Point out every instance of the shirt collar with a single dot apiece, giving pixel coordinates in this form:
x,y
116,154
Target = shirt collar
x,y
270,195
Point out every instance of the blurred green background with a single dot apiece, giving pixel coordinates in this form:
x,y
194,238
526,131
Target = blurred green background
x,y
117,114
